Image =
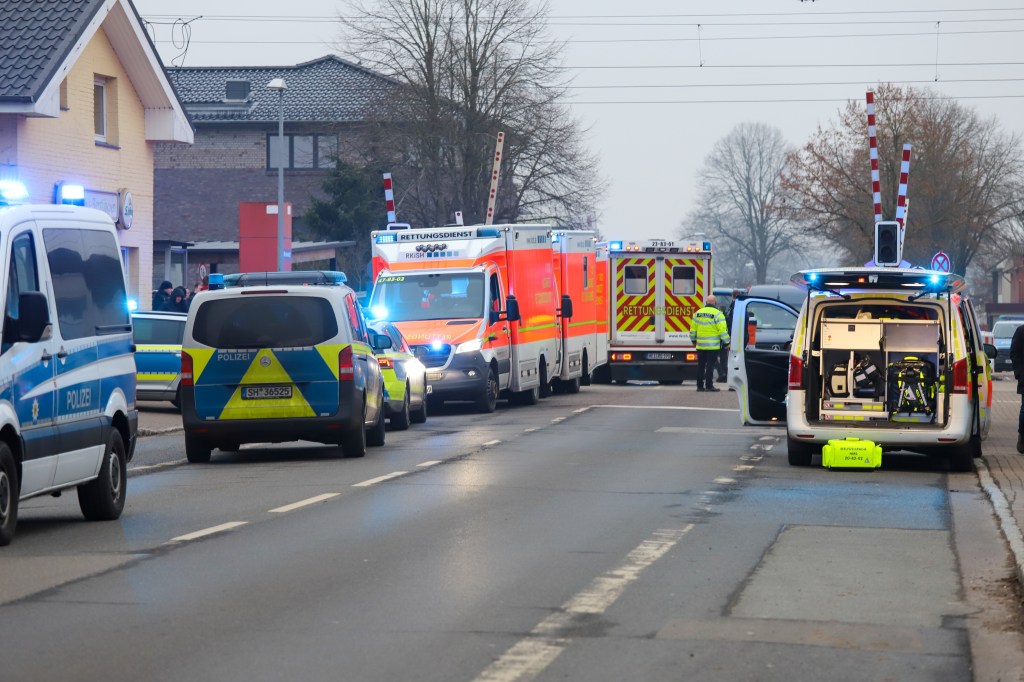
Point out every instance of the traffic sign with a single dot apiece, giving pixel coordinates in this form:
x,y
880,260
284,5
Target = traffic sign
x,y
202,271
940,262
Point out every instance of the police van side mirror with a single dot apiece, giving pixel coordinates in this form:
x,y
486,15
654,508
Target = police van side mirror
x,y
33,323
991,351
566,309
512,309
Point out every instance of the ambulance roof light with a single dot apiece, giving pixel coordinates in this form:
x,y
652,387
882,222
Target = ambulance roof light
x,y
386,238
707,246
487,232
615,246
12,192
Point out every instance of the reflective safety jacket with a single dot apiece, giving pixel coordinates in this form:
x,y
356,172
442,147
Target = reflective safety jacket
x,y
708,329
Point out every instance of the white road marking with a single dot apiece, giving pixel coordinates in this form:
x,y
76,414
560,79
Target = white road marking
x,y
772,438
490,443
531,655
161,465
724,480
303,503
557,419
751,458
581,410
379,479
208,531
666,407
742,467
429,463
531,429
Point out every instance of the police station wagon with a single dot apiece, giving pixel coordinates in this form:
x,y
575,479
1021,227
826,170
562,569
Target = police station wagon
x,y
269,364
889,355
67,377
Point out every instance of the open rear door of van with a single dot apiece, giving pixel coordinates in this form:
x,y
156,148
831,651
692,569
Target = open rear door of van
x,y
761,333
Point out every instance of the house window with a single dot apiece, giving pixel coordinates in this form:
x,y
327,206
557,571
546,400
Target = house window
x,y
64,95
236,91
99,108
303,151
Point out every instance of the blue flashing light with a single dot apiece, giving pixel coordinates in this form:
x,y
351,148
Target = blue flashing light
x,y
934,279
12,192
555,237
436,345
133,305
73,195
615,246
387,238
215,280
379,312
812,277
707,246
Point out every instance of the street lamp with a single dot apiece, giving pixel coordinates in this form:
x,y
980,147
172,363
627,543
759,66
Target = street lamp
x,y
280,86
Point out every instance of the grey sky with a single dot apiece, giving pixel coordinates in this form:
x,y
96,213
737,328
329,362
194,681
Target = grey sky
x,y
652,140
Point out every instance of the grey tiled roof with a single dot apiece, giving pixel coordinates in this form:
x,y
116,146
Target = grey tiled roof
x,y
35,38
325,89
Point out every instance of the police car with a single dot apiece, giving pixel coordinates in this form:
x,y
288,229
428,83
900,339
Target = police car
x,y
67,376
280,362
890,355
158,354
405,379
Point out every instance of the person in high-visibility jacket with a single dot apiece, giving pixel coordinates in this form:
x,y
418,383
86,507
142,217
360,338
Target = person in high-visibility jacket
x,y
710,334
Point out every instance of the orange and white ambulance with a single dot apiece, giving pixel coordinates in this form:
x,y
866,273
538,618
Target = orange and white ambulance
x,y
487,309
582,273
657,286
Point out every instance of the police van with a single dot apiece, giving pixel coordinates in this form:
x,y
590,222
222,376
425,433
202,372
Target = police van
x,y
271,363
68,417
890,355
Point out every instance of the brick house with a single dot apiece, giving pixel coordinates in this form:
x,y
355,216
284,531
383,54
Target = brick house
x,y
84,99
234,157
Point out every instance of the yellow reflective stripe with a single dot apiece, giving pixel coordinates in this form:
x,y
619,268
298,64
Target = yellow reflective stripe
x,y
200,359
270,373
330,352
156,376
153,348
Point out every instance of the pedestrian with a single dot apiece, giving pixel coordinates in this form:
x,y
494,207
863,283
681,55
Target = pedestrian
x,y
1017,358
711,335
162,295
177,302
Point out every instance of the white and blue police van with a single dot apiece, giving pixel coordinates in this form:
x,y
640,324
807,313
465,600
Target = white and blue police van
x,y
68,417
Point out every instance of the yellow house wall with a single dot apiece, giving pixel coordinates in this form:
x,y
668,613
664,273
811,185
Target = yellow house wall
x,y
65,150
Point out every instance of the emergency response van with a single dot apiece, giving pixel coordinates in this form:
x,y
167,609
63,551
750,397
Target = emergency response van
x,y
656,287
491,308
280,363
888,355
67,394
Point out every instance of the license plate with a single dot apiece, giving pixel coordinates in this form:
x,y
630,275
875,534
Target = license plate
x,y
659,356
266,392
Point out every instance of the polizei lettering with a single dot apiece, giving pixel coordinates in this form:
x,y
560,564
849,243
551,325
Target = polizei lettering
x,y
79,399
432,236
229,357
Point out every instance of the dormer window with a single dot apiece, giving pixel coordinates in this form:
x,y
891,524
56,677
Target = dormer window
x,y
236,91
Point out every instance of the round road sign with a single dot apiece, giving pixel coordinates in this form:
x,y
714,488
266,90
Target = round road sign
x,y
940,262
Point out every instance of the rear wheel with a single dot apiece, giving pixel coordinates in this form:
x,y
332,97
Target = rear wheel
x,y
571,386
8,495
102,499
375,436
545,386
401,420
800,453
586,380
196,451
487,400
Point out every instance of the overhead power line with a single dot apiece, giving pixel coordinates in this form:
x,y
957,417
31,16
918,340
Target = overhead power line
x,y
788,100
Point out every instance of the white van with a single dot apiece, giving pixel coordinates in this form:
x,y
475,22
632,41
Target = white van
x,y
67,375
889,355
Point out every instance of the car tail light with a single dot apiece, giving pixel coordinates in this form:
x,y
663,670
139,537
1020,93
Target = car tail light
x,y
186,370
386,363
796,373
691,357
960,384
622,357
346,368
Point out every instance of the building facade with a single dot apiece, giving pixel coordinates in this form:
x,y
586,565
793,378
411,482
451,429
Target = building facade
x,y
83,100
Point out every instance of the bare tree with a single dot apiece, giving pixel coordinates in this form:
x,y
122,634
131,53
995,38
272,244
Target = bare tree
x,y
472,68
741,200
965,178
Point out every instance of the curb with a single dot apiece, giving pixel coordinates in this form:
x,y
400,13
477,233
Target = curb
x,y
1007,524
141,433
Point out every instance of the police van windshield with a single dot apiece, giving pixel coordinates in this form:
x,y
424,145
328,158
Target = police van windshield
x,y
265,322
158,332
429,296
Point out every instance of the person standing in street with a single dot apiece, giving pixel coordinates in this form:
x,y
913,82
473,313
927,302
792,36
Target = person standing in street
x,y
711,335
1017,358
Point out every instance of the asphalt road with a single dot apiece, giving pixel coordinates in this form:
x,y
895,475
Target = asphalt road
x,y
632,532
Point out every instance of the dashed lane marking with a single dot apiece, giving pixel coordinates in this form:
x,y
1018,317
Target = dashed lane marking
x,y
490,443
208,531
724,480
743,467
379,479
581,410
303,503
667,407
429,463
530,656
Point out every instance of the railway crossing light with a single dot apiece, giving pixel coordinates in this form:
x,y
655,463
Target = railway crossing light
x,y
887,243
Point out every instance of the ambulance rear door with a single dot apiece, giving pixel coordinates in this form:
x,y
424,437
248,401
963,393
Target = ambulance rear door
x,y
637,293
685,281
760,375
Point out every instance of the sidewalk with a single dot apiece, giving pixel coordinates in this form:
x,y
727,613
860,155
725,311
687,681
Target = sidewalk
x,y
1001,469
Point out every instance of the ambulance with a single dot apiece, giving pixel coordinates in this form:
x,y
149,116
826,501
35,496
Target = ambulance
x,y
657,286
491,309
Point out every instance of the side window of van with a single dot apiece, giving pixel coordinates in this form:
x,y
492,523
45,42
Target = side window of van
x,y
356,320
495,293
21,277
88,283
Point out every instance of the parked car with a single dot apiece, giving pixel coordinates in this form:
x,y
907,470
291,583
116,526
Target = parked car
x,y
405,379
157,337
889,355
1002,334
280,363
791,295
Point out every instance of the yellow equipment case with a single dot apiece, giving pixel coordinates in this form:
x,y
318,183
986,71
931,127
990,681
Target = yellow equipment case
x,y
851,453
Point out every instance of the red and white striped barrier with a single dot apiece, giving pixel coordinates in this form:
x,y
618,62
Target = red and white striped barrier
x,y
901,196
876,186
389,198
495,170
